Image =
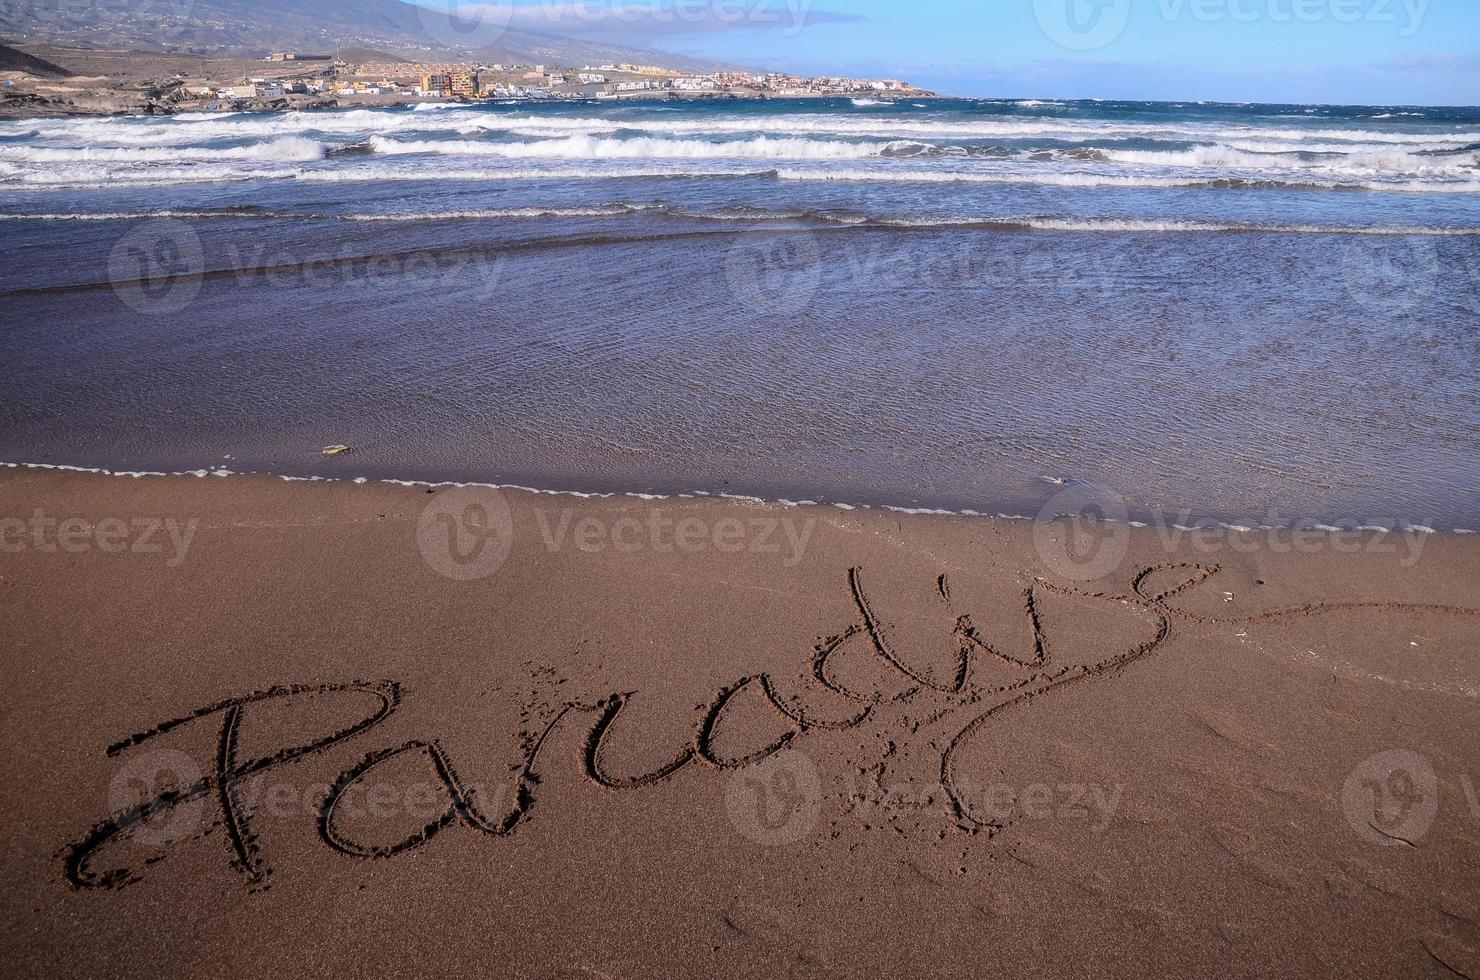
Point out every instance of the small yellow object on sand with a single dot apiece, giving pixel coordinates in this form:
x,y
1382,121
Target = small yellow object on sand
x,y
335,450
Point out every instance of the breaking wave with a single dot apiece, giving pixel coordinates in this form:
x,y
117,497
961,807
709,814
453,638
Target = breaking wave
x,y
791,217
598,148
1138,180
1027,143
286,149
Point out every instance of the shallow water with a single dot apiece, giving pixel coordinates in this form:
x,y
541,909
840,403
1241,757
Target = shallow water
x,y
1245,312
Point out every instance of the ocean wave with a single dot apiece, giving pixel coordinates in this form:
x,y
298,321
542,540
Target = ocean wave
x,y
516,174
132,215
207,127
617,210
1163,226
447,141
202,116
285,149
1228,158
1147,181
1013,127
593,211
759,215
86,175
54,178
599,148
201,127
218,471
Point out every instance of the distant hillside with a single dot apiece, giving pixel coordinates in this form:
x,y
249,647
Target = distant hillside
x,y
13,60
253,28
362,55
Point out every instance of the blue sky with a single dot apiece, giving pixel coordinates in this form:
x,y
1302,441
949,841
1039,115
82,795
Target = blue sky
x,y
1347,51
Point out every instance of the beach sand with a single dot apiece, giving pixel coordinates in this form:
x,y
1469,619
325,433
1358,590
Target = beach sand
x,y
261,728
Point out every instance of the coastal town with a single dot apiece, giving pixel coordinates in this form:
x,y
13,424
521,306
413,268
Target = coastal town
x,y
44,80
397,80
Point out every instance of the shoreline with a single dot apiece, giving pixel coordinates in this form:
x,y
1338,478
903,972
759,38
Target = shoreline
x,y
20,108
1156,520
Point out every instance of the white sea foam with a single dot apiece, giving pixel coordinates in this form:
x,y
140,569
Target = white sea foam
x,y
1173,226
957,148
1145,180
283,149
217,470
1349,164
757,215
595,211
599,148
367,122
1008,127
521,173
128,215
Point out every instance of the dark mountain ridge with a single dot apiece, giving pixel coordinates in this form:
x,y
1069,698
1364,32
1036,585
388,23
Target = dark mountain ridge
x,y
253,28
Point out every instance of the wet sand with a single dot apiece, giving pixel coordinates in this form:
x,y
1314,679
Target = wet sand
x,y
262,728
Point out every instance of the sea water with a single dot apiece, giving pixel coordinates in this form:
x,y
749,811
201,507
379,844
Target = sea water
x,y
1247,311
